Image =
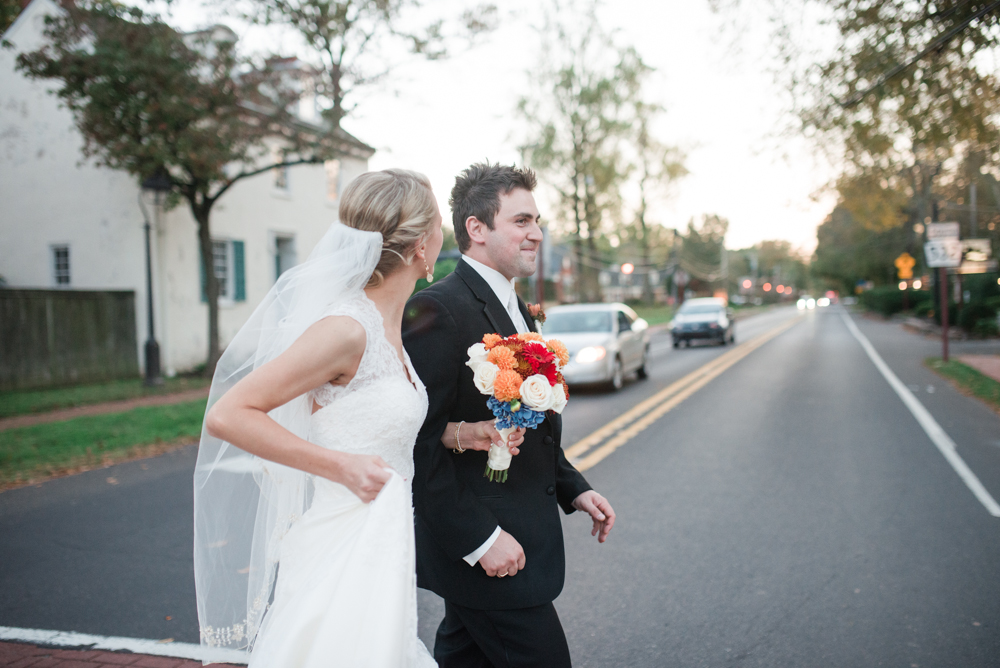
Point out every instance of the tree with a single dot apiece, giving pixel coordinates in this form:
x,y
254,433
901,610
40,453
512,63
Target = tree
x,y
9,9
345,40
848,251
150,100
657,167
702,249
577,119
905,93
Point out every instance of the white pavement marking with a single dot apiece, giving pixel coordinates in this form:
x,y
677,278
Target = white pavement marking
x,y
178,650
938,435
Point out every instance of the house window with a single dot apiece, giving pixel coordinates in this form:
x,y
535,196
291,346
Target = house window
x,y
332,179
284,255
60,265
228,266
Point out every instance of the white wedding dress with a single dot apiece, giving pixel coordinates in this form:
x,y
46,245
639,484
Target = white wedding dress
x,y
346,586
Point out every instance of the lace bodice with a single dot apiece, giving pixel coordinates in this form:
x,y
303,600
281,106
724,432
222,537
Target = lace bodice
x,y
380,411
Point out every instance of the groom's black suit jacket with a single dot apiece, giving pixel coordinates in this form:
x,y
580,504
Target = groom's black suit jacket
x,y
456,507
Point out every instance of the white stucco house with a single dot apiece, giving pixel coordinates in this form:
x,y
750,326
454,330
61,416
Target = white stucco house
x,y
66,223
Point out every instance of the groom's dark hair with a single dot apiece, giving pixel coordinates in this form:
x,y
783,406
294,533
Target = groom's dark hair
x,y
477,193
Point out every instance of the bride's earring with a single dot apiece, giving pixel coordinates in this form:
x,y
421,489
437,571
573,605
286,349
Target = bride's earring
x,y
430,274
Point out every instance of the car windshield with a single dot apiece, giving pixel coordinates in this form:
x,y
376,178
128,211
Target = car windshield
x,y
699,309
577,321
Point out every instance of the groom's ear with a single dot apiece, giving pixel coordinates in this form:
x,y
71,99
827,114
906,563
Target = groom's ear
x,y
477,230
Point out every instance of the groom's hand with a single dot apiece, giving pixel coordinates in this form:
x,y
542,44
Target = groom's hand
x,y
599,510
505,557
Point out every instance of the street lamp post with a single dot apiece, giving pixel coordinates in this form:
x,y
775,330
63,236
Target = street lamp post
x,y
158,184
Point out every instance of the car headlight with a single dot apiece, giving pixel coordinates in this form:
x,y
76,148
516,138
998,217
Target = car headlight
x,y
801,304
591,354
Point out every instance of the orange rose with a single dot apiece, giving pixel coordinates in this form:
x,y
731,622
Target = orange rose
x,y
502,356
507,386
530,336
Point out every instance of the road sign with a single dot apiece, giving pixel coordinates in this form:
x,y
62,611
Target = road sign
x,y
977,257
904,266
942,231
943,252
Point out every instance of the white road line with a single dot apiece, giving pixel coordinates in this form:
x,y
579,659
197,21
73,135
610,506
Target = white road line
x,y
938,435
178,650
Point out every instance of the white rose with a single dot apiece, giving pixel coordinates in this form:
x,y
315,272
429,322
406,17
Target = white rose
x,y
477,356
558,398
485,376
536,393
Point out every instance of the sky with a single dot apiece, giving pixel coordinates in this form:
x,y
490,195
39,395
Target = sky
x,y
722,107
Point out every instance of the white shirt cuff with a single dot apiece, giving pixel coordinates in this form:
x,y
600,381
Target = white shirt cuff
x,y
473,558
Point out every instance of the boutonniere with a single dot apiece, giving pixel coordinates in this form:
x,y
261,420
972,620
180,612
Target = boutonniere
x,y
537,314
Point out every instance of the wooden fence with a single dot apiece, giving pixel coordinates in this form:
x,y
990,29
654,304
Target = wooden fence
x,y
63,337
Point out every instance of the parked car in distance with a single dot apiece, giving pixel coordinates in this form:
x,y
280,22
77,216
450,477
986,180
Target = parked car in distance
x,y
705,318
605,342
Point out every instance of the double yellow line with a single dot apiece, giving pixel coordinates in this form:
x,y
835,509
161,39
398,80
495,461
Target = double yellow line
x,y
590,450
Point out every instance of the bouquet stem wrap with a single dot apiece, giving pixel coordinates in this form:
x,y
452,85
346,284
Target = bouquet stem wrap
x,y
499,456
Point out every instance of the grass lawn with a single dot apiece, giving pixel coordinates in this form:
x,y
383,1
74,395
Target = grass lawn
x,y
968,380
29,453
26,402
656,314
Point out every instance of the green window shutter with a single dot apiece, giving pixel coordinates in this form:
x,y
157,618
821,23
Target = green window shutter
x,y
204,283
239,277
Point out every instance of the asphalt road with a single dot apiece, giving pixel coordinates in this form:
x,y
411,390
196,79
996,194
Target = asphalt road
x,y
792,512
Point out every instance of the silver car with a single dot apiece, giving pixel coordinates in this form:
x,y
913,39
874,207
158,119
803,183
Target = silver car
x,y
605,342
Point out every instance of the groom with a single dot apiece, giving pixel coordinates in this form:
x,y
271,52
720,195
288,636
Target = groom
x,y
493,551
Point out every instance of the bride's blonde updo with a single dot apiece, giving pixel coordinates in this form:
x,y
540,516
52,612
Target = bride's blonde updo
x,y
397,203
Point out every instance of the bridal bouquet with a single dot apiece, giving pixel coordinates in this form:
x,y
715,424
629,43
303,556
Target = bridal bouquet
x,y
521,376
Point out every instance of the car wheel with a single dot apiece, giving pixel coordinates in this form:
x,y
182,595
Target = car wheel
x,y
722,339
642,372
617,376
732,337
677,344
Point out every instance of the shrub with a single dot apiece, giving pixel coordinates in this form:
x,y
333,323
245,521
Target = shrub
x,y
888,299
973,312
986,327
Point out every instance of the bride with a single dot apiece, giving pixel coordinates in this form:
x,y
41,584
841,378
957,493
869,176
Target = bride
x,y
304,551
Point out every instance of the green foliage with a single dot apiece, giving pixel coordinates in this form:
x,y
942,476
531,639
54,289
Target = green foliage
x,y
848,251
9,10
701,251
581,111
345,40
888,300
974,312
39,450
986,328
41,401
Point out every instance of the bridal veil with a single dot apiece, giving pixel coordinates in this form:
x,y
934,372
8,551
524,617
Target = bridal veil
x,y
243,505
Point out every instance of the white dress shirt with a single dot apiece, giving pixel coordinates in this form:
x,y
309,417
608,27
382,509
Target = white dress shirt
x,y
504,290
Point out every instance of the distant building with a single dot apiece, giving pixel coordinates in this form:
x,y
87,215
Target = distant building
x,y
66,223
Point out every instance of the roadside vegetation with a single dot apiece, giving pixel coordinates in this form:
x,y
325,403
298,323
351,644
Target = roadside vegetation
x,y
968,380
40,451
28,402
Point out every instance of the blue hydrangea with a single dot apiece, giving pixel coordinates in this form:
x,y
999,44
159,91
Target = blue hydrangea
x,y
525,417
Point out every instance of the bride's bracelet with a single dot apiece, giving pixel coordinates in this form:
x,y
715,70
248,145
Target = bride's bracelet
x,y
458,442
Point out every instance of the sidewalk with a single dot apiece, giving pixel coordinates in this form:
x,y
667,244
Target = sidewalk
x,y
18,655
988,365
